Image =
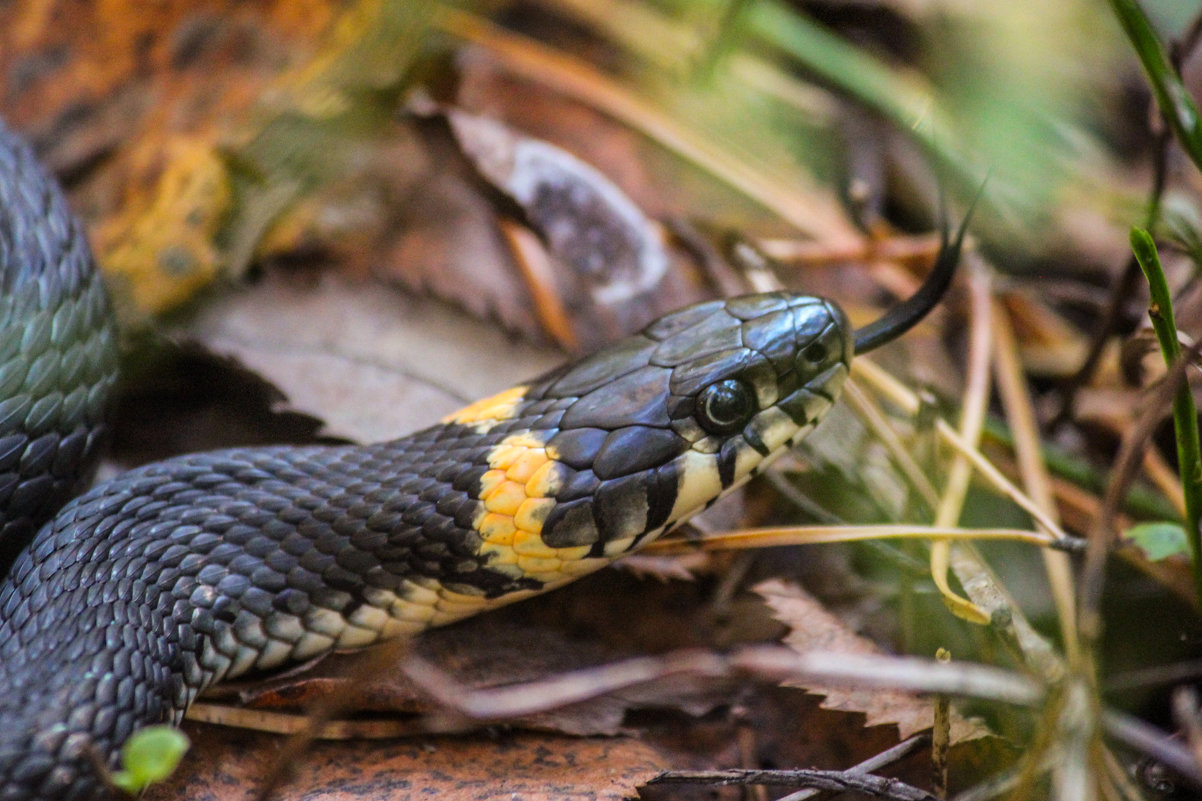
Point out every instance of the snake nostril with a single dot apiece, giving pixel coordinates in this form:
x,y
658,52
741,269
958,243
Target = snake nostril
x,y
815,353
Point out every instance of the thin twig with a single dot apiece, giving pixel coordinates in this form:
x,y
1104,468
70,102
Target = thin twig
x,y
885,758
1153,742
834,780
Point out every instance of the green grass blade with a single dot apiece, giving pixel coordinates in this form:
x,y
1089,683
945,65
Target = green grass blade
x,y
1185,413
1171,94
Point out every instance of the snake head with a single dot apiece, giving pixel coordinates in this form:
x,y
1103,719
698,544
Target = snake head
x,y
658,426
608,452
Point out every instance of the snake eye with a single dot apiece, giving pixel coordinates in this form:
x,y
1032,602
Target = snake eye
x,y
725,406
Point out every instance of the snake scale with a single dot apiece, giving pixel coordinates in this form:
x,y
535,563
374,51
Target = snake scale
x,y
137,595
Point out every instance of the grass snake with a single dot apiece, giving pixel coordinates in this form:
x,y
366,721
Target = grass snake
x,y
123,605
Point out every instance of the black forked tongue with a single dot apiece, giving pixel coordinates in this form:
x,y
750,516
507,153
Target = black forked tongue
x,y
908,313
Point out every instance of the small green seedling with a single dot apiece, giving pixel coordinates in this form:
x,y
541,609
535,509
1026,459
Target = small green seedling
x,y
148,756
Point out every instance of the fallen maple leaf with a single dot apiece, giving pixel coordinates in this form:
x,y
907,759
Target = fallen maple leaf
x,y
812,628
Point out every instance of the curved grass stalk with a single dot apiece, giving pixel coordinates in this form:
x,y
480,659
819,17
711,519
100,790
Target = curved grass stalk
x,y
975,406
773,536
1185,413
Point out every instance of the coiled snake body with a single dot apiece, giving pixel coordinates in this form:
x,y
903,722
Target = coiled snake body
x,y
149,588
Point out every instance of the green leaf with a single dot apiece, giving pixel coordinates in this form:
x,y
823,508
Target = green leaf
x,y
149,756
1159,540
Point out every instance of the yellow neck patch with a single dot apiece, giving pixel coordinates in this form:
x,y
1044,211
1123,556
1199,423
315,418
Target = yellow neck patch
x,y
484,414
517,493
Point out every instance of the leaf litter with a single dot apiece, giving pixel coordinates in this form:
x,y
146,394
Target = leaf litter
x,y
195,177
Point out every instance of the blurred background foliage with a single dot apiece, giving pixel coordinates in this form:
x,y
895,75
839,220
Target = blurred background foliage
x,y
826,133
1025,92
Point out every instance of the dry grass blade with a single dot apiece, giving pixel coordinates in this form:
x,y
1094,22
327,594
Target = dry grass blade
x,y
300,724
768,537
990,600
905,399
974,405
888,437
1016,400
770,663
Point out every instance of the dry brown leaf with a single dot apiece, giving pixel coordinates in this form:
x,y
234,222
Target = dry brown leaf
x,y
812,628
182,177
191,400
584,265
230,765
371,362
610,264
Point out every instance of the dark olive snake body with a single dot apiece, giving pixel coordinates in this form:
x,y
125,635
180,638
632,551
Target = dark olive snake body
x,y
152,586
58,356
